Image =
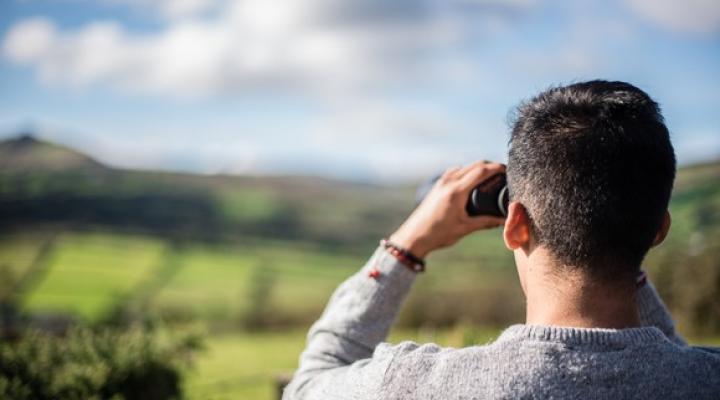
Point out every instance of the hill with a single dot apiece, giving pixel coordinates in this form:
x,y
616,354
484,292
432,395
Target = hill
x,y
26,153
42,184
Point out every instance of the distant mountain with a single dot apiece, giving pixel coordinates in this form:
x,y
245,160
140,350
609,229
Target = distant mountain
x,y
26,152
44,184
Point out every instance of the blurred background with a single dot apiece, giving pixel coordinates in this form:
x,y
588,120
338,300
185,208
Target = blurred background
x,y
184,182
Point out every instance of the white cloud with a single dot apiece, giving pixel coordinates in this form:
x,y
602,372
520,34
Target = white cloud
x,y
375,119
308,45
29,40
689,16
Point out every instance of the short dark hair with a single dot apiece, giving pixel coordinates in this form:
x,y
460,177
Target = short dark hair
x,y
593,165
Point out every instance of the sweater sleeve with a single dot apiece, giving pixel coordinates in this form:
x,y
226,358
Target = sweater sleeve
x,y
653,312
338,360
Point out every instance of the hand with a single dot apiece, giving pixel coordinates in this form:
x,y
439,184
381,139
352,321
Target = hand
x,y
441,220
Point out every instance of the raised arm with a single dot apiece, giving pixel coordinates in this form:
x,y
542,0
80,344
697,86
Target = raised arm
x,y
340,360
357,318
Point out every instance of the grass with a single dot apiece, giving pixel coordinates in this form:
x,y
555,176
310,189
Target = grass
x,y
18,252
243,366
210,283
88,273
216,283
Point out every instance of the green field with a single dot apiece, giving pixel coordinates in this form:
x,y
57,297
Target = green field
x,y
87,275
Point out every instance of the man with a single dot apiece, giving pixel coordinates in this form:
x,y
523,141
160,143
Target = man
x,y
590,172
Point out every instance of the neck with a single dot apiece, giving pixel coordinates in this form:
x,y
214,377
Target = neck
x,y
576,300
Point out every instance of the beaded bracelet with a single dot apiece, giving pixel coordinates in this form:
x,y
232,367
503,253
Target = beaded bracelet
x,y
404,256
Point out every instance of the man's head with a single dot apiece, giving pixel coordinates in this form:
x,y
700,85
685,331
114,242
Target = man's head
x,y
592,168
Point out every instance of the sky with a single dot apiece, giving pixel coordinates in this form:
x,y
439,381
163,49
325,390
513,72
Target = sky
x,y
372,90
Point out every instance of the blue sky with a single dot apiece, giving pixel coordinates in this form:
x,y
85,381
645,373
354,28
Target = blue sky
x,y
359,89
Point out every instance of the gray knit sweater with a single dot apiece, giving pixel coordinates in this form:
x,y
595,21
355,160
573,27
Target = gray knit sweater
x,y
345,358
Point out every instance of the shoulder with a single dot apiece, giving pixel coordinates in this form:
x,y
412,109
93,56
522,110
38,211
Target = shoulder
x,y
704,353
691,364
414,360
427,370
408,348
705,356
697,367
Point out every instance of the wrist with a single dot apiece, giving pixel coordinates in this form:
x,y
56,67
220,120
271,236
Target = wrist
x,y
404,256
410,243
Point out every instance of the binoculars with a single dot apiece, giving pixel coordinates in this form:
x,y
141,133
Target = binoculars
x,y
489,197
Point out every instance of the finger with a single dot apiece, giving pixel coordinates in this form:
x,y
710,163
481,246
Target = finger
x,y
449,174
478,164
478,174
470,167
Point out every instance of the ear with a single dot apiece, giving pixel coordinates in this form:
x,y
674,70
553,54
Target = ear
x,y
517,226
664,229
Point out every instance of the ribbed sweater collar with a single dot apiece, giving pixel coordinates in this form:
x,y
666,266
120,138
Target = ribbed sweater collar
x,y
583,336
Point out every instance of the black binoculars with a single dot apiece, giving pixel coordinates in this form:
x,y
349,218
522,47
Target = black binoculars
x,y
489,197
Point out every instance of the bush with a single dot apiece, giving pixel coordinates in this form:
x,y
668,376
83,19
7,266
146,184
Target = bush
x,y
134,364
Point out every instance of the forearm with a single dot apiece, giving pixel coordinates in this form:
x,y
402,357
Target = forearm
x,y
653,312
357,318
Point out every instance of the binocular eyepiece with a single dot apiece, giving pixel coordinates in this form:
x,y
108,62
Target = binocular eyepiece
x,y
489,197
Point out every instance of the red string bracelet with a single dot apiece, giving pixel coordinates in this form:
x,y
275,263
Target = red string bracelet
x,y
404,256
